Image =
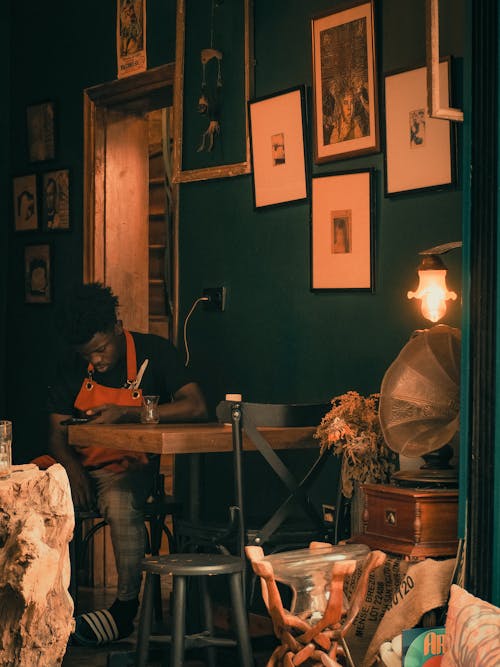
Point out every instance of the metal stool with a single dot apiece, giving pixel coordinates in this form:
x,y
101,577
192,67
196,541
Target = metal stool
x,y
181,567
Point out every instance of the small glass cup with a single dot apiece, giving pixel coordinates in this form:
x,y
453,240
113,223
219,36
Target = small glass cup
x,y
5,449
150,413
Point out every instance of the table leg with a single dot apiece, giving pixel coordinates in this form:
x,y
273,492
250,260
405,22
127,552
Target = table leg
x,y
194,487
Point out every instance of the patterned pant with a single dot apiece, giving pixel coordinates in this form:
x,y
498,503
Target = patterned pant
x,y
120,498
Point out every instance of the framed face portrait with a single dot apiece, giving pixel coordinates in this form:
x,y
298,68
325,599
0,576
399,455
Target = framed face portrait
x,y
55,200
25,203
344,83
37,274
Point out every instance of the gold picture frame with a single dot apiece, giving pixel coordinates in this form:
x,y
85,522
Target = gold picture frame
x,y
192,159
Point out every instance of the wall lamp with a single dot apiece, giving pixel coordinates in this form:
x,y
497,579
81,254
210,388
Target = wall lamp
x,y
432,288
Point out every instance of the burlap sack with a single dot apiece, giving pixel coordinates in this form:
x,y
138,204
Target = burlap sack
x,y
399,593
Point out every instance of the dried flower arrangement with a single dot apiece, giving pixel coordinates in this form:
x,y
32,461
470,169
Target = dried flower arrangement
x,y
352,429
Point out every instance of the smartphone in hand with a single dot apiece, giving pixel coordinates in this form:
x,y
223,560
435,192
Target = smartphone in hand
x,y
75,420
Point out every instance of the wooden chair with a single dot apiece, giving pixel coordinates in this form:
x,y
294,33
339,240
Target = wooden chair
x,y
322,642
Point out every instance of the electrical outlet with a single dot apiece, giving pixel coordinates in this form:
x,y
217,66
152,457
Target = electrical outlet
x,y
216,298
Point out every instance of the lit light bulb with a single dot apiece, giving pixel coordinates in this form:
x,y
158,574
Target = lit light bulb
x,y
432,289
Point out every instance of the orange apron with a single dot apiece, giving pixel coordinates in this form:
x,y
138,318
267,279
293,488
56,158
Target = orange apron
x,y
91,395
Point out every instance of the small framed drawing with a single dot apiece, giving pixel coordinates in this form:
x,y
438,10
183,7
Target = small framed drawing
x,y
25,203
40,126
278,148
55,200
418,152
37,274
342,243
344,83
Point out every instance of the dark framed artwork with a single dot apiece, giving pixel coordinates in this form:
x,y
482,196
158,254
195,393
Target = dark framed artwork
x,y
344,83
342,238
41,131
55,200
277,142
419,151
37,273
25,203
213,84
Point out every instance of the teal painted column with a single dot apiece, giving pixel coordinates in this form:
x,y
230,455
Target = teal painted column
x,y
466,281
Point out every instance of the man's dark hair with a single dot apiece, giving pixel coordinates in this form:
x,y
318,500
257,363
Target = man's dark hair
x,y
87,310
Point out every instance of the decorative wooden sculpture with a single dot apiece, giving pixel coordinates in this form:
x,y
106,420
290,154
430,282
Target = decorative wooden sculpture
x,y
315,627
209,101
36,525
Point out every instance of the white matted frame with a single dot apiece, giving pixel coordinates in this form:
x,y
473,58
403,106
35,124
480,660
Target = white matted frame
x,y
344,83
278,148
419,149
342,239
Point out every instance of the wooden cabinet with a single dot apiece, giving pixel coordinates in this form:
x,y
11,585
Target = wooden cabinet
x,y
413,522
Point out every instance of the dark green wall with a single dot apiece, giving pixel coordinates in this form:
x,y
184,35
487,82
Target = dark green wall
x,y
4,205
276,341
57,51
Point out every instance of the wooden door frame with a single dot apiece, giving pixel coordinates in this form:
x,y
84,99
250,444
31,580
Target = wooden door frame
x,y
96,100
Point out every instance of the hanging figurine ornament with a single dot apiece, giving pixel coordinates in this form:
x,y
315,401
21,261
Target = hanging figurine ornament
x,y
209,100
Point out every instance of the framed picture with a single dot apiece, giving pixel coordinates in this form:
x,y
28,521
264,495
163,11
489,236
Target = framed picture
x,y
40,130
212,88
55,200
37,274
130,37
344,83
418,152
342,244
25,204
277,142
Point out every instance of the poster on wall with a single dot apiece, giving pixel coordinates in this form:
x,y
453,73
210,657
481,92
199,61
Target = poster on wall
x,y
131,37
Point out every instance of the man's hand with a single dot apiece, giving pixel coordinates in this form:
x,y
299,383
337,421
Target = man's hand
x,y
108,413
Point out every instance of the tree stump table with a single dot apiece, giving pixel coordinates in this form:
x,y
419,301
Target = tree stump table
x,y
36,526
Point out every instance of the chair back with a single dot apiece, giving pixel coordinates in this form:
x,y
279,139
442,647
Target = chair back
x,y
247,417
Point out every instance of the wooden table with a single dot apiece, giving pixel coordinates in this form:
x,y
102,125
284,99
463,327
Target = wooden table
x,y
186,438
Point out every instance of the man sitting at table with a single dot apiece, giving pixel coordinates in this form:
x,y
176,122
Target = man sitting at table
x,y
101,379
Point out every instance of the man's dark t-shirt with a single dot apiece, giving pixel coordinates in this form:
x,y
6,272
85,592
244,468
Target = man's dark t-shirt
x,y
164,375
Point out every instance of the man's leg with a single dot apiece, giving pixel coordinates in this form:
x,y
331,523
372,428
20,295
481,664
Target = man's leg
x,y
120,498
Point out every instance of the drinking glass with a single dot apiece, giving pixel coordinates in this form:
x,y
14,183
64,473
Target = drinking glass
x,y
150,413
5,449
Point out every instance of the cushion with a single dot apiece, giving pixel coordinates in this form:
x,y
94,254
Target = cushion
x,y
472,630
